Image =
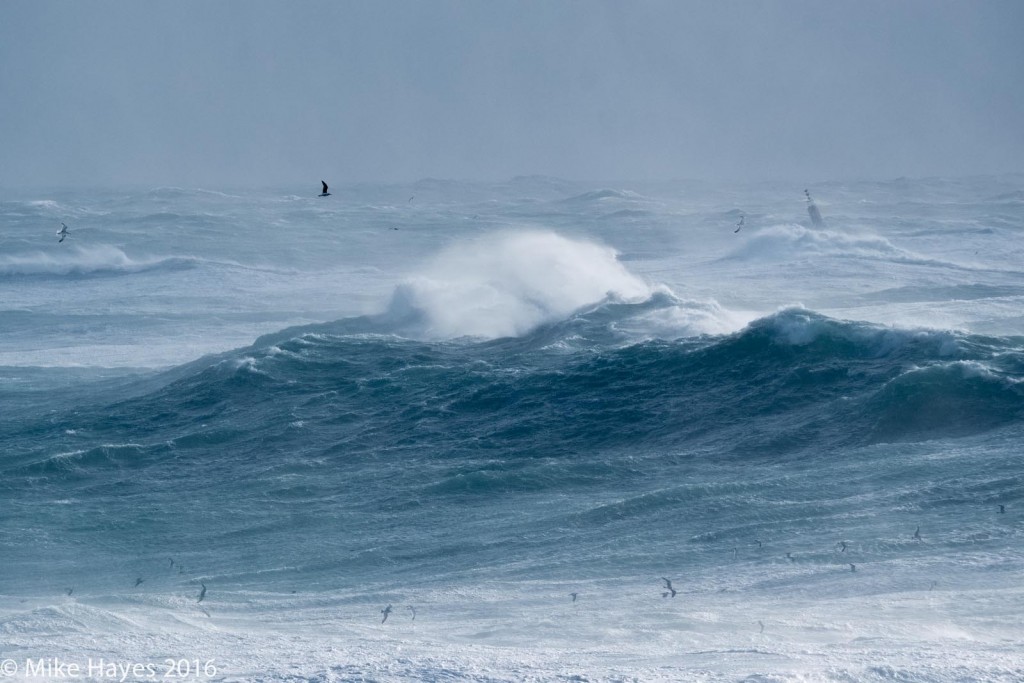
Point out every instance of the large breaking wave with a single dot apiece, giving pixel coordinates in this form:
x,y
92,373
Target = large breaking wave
x,y
506,284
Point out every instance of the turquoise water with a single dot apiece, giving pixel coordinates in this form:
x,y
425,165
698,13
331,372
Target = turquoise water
x,y
478,401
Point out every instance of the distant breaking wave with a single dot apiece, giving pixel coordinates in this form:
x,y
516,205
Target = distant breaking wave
x,y
86,261
600,195
787,241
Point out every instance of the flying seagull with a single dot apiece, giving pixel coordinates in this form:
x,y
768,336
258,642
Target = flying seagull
x,y
413,610
671,591
71,590
761,624
739,226
1002,509
853,567
202,594
842,544
325,193
574,596
917,534
386,611
62,233
138,581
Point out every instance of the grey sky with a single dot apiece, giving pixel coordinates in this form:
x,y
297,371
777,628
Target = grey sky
x,y
256,93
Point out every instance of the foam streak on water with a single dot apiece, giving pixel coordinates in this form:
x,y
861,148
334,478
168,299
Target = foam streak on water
x,y
474,405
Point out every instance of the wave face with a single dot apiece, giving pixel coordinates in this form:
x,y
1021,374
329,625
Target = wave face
x,y
792,381
489,398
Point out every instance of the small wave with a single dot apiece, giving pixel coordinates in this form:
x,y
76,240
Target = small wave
x,y
84,261
795,326
665,316
171,192
69,463
952,399
69,618
626,213
788,241
604,195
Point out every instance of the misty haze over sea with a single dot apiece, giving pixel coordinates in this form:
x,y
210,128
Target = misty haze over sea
x,y
566,378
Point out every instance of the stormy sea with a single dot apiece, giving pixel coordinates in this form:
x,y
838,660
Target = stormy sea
x,y
507,431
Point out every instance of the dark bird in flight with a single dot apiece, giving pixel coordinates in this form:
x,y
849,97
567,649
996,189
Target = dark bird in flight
x,y
573,596
138,581
386,611
62,233
202,594
917,534
671,591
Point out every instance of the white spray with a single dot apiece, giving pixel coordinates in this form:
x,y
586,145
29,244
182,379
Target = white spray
x,y
507,283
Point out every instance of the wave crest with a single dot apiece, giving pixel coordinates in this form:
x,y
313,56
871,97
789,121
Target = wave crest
x,y
785,241
508,283
83,261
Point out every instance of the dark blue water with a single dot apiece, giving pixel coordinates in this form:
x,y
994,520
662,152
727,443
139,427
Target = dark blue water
x,y
333,445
